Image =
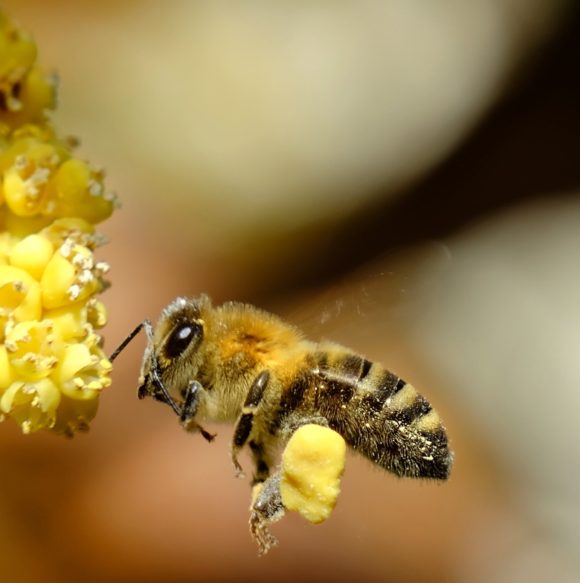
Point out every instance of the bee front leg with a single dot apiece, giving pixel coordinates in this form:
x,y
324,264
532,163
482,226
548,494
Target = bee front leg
x,y
245,421
189,410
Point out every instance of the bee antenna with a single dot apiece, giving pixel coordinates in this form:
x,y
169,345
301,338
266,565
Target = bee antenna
x,y
155,366
123,344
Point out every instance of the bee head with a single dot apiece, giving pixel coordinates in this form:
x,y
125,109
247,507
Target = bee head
x,y
171,358
180,330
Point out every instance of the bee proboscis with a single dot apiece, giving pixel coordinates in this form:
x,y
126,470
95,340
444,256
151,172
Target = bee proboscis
x,y
238,363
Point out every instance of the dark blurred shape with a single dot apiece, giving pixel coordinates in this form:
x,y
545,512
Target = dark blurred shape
x,y
526,149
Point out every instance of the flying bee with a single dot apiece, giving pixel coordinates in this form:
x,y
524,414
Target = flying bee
x,y
240,364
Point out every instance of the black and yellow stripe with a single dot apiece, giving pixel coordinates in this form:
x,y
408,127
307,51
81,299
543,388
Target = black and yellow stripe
x,y
377,413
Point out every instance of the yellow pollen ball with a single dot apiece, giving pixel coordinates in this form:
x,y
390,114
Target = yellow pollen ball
x,y
312,465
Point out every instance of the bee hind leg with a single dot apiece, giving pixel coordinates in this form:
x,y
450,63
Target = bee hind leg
x,y
245,421
292,424
266,508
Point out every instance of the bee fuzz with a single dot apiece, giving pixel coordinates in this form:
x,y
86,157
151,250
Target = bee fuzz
x,y
312,466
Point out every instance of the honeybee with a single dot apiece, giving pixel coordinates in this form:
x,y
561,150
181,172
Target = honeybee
x,y
238,363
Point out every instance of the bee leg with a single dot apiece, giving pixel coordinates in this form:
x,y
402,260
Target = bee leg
x,y
245,421
294,423
189,409
267,508
190,400
260,461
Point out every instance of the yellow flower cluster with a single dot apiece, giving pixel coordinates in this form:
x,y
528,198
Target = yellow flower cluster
x,y
52,366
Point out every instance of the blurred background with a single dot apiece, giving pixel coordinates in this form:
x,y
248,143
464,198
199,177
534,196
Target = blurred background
x,y
399,176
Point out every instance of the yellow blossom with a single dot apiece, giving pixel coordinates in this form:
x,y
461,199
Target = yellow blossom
x,y
96,313
71,321
79,192
32,254
33,349
83,371
52,366
74,415
70,275
17,57
6,376
32,405
16,228
37,94
42,178
25,182
20,295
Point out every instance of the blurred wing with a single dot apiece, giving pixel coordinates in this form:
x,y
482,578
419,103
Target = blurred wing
x,y
377,300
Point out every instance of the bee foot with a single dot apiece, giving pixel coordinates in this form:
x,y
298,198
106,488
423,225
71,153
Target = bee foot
x,y
209,437
239,471
192,427
259,531
266,509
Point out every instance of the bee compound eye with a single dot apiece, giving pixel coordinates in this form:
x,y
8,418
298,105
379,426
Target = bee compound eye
x,y
181,338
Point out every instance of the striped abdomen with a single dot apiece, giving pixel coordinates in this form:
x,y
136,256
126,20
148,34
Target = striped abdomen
x,y
377,413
